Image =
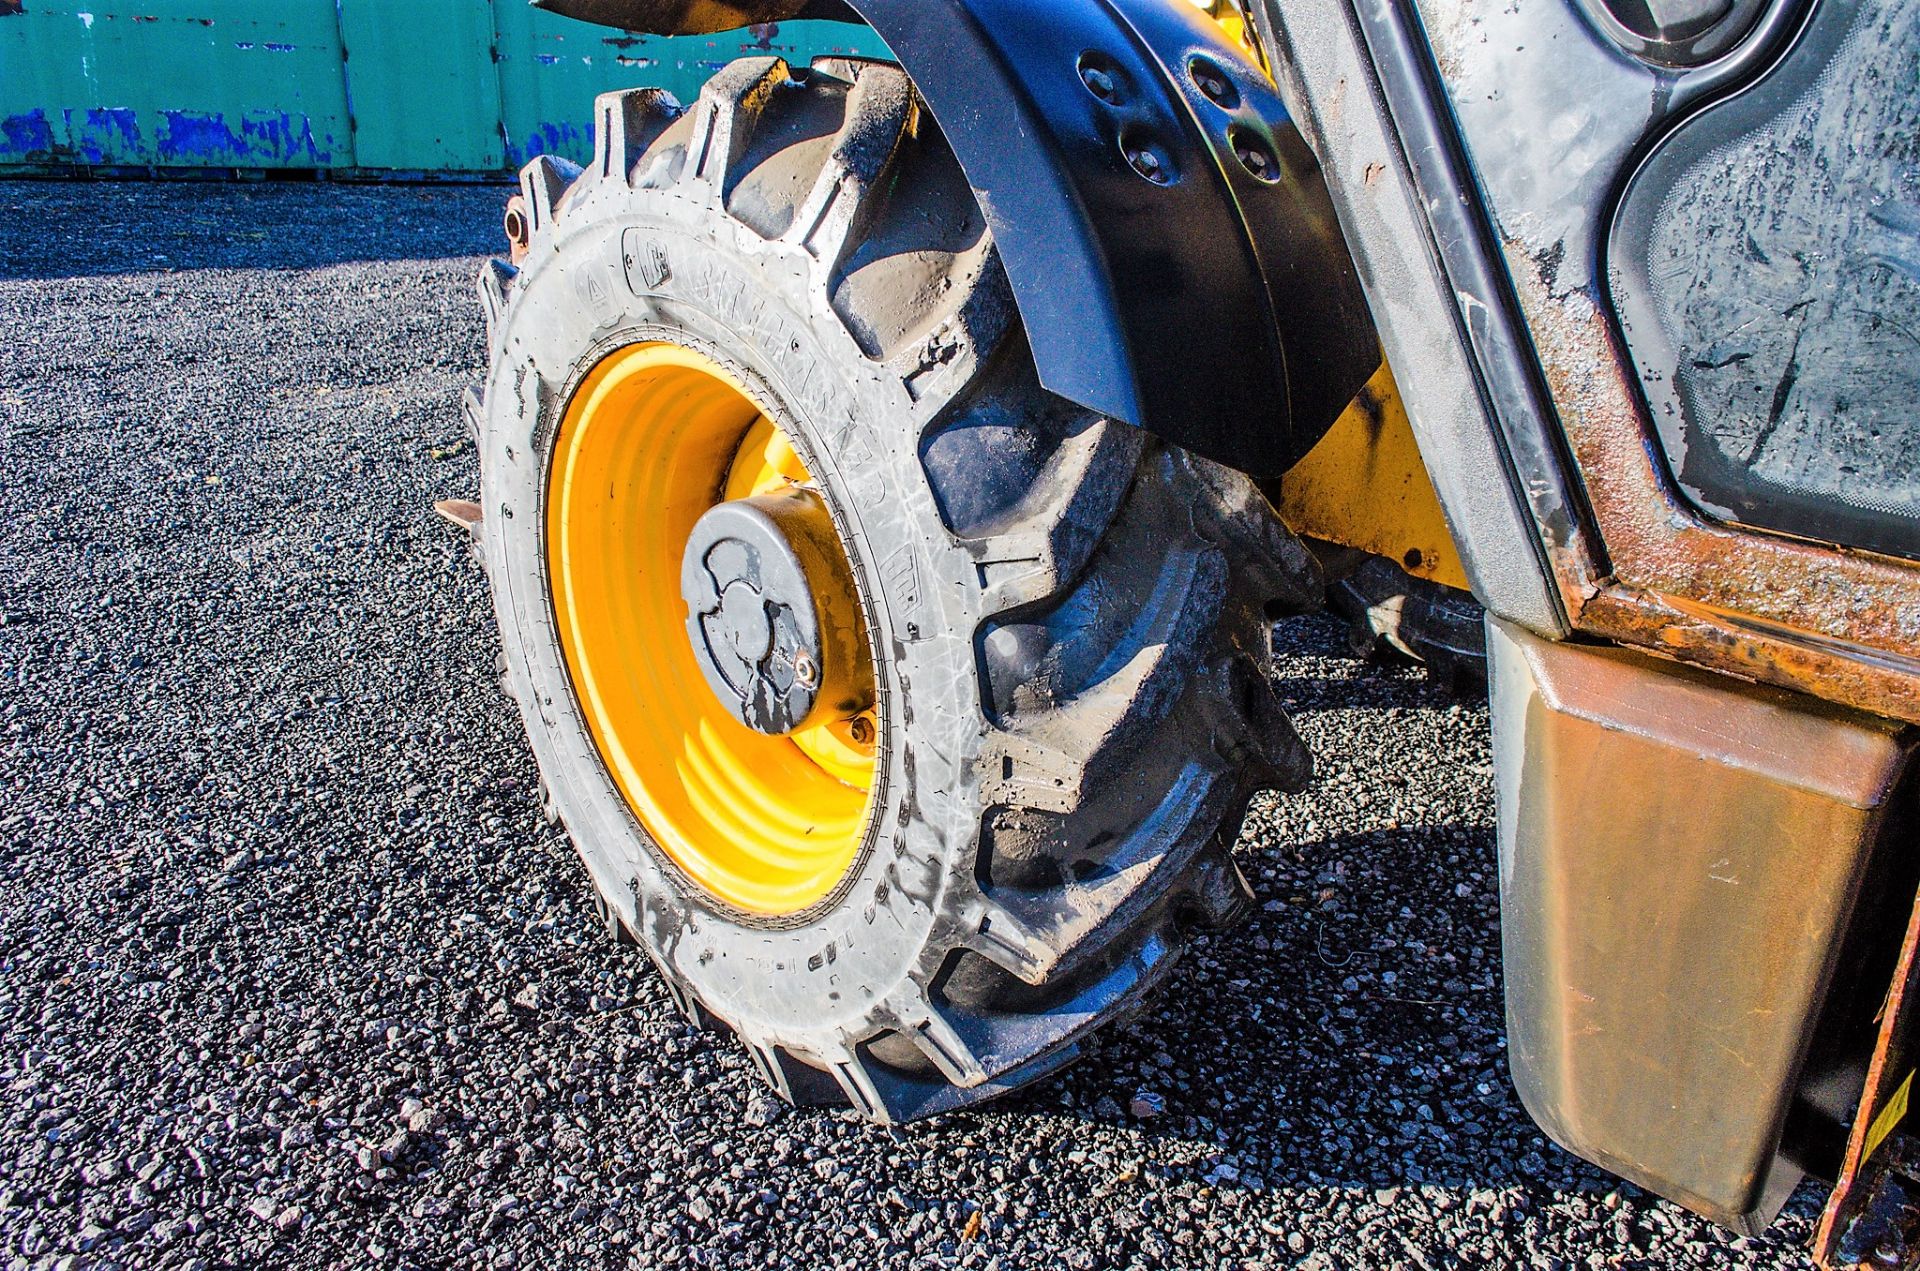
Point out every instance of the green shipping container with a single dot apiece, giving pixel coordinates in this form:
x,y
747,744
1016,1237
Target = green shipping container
x,y
367,87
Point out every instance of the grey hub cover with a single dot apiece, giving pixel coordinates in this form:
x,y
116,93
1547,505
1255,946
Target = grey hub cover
x,y
749,577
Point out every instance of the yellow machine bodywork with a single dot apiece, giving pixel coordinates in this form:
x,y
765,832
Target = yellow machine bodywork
x,y
1365,486
1230,17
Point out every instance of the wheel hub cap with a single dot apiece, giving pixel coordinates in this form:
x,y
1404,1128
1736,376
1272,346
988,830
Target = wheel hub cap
x,y
698,586
770,613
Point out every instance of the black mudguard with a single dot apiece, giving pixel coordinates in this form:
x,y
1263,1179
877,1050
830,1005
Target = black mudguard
x,y
1116,147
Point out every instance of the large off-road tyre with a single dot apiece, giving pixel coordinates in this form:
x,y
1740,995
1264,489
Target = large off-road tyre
x,y
1065,622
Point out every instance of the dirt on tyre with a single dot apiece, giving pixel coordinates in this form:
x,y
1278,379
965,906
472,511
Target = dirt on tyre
x,y
903,713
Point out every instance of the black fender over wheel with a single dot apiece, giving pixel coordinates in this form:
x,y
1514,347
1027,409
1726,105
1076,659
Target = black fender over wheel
x,y
1068,618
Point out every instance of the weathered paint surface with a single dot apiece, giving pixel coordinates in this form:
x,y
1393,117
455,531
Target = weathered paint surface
x,y
462,86
1365,485
184,83
1834,622
1872,1218
420,86
260,137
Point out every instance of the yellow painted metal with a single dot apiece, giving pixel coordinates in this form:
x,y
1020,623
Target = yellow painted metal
x,y
1230,17
655,436
1365,486
765,462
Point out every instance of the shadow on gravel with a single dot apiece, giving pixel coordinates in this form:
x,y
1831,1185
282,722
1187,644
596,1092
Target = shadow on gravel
x,y
294,972
1339,1063
75,229
1393,685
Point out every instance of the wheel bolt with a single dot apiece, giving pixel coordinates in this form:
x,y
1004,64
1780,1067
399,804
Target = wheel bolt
x,y
1100,82
1213,81
1256,158
1148,163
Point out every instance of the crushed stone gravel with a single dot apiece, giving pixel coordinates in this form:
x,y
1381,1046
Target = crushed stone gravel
x,y
293,973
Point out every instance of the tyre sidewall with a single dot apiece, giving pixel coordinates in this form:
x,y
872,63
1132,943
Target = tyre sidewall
x,y
686,273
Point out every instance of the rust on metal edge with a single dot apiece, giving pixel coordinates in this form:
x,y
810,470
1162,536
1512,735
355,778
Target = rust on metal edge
x,y
1857,1193
519,230
676,17
1690,632
1845,626
462,513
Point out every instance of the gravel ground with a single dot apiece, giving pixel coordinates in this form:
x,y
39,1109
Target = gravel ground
x,y
292,973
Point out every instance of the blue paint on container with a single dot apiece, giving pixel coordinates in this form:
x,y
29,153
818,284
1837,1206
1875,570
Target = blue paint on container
x,y
190,137
460,86
554,138
107,136
27,137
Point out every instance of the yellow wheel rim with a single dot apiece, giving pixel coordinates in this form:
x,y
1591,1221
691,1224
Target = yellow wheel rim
x,y
655,437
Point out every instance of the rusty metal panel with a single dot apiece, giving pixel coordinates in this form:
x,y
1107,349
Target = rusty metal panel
x,y
677,17
1872,1219
1680,855
1841,624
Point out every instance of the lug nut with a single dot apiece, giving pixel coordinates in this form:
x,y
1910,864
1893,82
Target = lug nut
x,y
1213,81
1147,161
861,729
1100,80
1255,157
